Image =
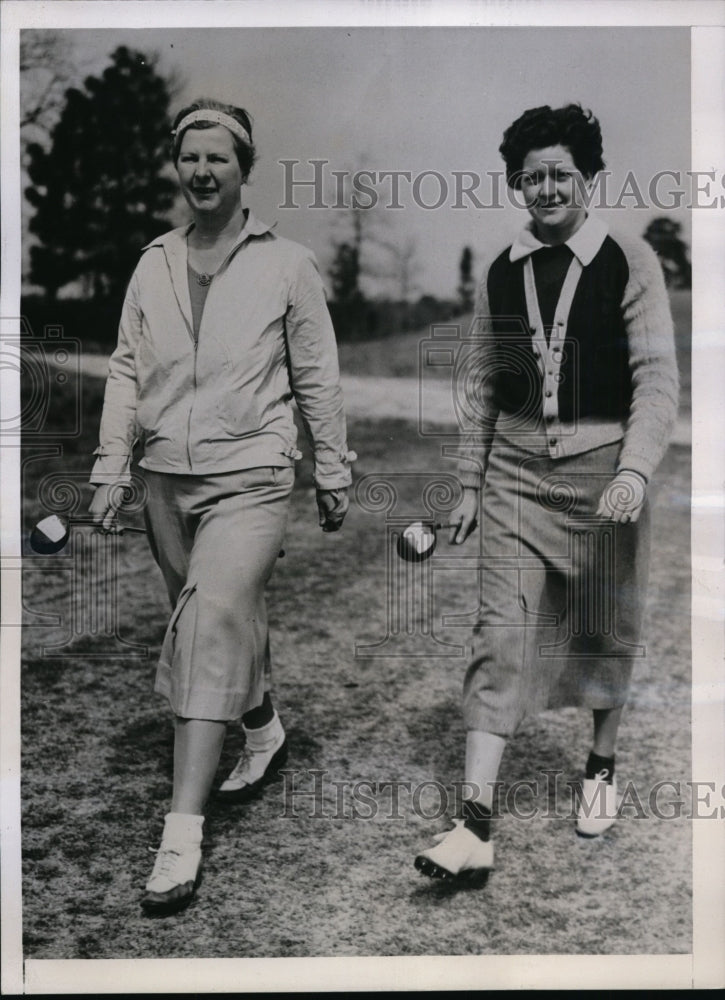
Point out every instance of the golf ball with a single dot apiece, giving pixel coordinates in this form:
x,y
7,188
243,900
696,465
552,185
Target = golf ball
x,y
419,537
52,527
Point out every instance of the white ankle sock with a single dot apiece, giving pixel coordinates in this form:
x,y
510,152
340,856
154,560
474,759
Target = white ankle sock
x,y
267,736
182,828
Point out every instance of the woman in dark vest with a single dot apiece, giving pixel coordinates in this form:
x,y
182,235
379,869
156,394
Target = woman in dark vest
x,y
568,390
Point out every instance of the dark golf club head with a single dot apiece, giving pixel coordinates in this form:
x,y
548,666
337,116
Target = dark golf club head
x,y
49,535
417,542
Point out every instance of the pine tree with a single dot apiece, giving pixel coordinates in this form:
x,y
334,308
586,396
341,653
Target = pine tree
x,y
466,283
664,237
348,306
345,273
99,192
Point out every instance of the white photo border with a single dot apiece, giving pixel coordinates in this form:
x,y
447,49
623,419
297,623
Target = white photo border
x,y
705,966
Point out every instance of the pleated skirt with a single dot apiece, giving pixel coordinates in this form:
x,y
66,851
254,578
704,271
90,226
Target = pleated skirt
x,y
562,591
216,539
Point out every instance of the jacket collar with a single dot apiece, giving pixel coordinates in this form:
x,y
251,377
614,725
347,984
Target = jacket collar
x,y
584,244
175,251
176,238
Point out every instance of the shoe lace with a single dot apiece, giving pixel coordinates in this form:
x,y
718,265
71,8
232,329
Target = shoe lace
x,y
602,775
243,763
166,859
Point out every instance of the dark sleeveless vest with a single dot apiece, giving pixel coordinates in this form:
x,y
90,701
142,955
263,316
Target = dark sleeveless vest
x,y
595,378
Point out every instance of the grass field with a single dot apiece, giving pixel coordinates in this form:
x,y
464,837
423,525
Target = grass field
x,y
96,753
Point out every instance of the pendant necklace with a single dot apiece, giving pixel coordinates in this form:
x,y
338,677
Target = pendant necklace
x,y
203,278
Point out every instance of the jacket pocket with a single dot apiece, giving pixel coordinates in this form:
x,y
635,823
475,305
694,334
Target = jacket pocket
x,y
227,397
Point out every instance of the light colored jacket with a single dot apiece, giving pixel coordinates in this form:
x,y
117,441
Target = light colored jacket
x,y
224,403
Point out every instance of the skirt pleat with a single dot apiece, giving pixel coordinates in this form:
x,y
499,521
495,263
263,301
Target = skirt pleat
x,y
562,590
217,540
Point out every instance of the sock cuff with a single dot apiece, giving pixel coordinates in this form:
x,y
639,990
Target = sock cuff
x,y
596,764
265,734
477,818
182,826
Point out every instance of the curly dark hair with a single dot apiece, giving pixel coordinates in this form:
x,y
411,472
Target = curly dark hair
x,y
538,128
246,152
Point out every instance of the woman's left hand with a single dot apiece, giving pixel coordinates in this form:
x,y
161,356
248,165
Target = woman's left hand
x,y
332,506
624,497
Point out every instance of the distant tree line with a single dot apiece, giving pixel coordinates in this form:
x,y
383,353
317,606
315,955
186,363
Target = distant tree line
x,y
101,189
357,316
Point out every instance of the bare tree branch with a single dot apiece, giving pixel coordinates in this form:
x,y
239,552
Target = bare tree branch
x,y
47,70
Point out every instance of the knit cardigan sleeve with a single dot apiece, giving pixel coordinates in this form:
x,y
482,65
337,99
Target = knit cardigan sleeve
x,y
473,387
652,360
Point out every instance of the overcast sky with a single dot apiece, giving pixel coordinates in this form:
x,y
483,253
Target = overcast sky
x,y
425,99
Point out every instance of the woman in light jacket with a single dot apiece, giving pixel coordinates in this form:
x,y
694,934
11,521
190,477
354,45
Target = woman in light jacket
x,y
573,397
224,324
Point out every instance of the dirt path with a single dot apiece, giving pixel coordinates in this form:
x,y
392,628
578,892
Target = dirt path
x,y
390,398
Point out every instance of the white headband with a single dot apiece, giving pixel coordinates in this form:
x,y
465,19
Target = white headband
x,y
219,118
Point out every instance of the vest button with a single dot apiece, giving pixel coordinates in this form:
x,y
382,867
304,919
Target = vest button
x,y
548,392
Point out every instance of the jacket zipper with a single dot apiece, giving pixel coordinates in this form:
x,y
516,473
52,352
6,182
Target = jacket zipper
x,y
188,423
196,347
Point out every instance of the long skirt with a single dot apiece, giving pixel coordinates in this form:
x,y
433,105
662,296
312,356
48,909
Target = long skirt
x,y
562,591
216,539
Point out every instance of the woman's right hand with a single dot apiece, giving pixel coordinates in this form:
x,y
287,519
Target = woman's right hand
x,y
623,499
105,506
332,506
464,517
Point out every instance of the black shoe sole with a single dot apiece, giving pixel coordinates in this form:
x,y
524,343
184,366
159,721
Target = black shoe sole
x,y
590,836
469,876
249,792
154,905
